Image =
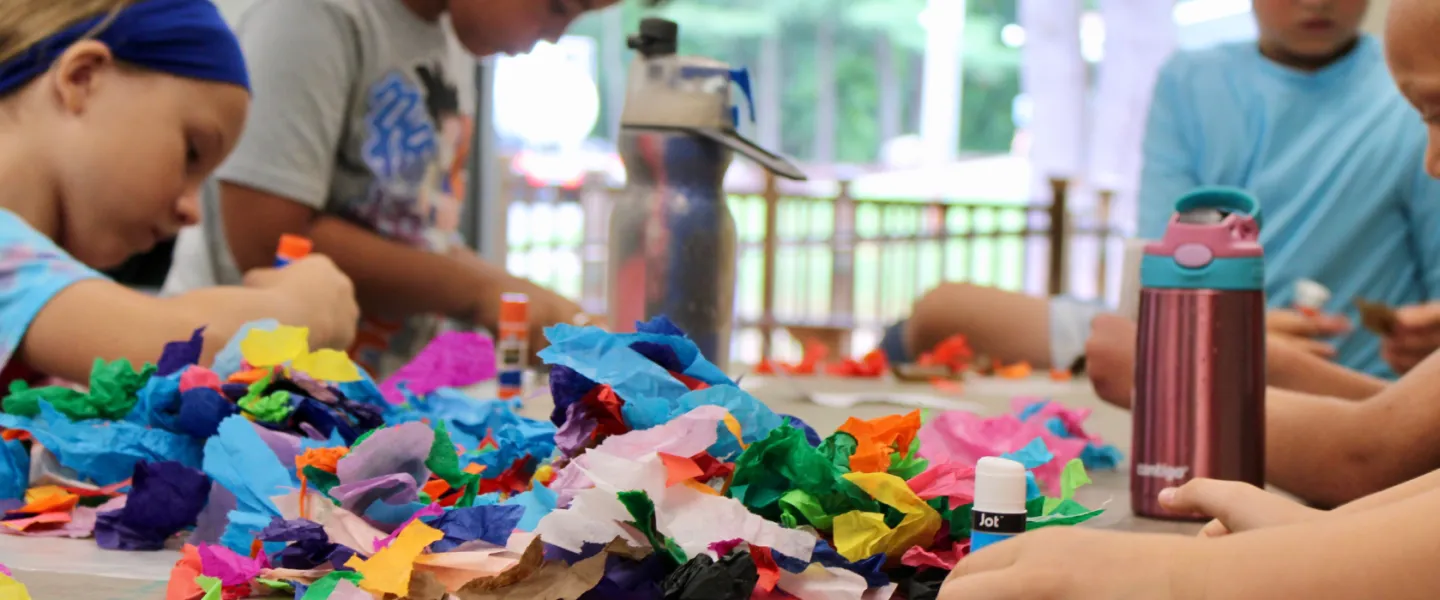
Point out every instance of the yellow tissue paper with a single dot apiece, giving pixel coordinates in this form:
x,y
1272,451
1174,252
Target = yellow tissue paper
x,y
12,590
860,535
327,365
388,571
734,426
918,528
263,348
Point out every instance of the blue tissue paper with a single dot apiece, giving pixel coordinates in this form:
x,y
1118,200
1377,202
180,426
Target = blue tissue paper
x,y
493,524
201,412
14,470
537,502
607,358
104,452
159,403
1032,455
238,459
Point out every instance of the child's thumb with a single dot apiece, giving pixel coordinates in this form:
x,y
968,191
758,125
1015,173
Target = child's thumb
x,y
1238,506
260,278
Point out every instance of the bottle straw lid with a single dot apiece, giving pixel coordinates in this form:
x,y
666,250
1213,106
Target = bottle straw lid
x,y
514,308
294,247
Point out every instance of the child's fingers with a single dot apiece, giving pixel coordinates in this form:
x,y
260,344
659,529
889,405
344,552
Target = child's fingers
x,y
1307,345
1290,323
1401,361
992,558
1331,325
1238,506
1214,528
1296,324
1417,319
989,585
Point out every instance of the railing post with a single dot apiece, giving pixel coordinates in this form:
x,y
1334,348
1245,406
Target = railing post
x,y
771,244
595,205
1102,212
842,247
1059,189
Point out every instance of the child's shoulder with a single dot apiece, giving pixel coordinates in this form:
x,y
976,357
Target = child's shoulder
x,y
16,230
28,258
1225,59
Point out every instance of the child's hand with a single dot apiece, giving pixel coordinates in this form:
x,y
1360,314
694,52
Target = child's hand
x,y
1110,358
1303,331
1416,335
321,297
1064,563
1236,507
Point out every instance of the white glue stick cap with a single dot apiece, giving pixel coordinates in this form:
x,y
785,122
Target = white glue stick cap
x,y
999,486
1309,294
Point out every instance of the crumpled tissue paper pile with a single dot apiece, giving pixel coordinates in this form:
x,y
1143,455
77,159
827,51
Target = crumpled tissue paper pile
x,y
657,478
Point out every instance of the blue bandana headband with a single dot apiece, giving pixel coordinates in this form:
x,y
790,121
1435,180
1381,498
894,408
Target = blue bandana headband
x,y
186,38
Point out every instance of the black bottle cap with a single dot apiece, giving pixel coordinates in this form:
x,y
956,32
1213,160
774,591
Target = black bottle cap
x,y
657,37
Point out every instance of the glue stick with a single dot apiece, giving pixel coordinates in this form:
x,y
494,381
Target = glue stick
x,y
292,248
999,510
1310,297
512,344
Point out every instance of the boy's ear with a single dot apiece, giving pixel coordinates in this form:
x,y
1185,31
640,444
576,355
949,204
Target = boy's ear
x,y
75,75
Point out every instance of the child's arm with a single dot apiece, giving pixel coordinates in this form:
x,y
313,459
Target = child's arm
x,y
1330,451
1384,554
1294,368
390,278
97,318
1239,507
1111,353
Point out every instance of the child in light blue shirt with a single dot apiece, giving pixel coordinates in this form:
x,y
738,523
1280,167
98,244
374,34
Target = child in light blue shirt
x,y
32,271
110,119
1335,158
1333,155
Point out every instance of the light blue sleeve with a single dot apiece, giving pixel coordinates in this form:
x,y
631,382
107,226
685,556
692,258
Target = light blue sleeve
x,y
1169,153
1423,210
32,271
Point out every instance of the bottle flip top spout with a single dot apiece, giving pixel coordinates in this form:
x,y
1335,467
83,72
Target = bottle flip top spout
x,y
1212,242
691,94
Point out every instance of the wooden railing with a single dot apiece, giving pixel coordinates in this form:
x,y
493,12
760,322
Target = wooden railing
x,y
834,262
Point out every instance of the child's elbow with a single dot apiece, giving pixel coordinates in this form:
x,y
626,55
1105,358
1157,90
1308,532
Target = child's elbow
x,y
1379,454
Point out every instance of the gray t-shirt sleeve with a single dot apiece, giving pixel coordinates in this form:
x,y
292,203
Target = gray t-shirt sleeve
x,y
303,65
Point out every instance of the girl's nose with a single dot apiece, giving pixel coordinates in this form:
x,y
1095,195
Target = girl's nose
x,y
187,209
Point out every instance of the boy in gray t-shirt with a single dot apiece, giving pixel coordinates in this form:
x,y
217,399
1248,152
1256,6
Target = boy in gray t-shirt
x,y
352,140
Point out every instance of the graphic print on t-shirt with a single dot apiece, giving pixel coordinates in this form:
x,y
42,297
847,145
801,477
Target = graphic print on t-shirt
x,y
408,154
413,134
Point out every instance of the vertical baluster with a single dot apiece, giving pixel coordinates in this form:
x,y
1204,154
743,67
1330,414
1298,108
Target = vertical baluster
x,y
1102,235
767,314
1059,190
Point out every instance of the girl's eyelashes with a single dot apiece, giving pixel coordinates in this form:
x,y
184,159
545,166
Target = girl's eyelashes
x,y
192,155
560,8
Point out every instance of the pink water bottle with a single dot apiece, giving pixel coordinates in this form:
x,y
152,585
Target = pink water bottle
x,y
1199,404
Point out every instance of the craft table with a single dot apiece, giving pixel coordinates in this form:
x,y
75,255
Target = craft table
x,y
79,570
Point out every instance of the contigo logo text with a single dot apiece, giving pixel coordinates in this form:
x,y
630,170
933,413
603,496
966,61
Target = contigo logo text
x,y
1166,472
